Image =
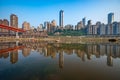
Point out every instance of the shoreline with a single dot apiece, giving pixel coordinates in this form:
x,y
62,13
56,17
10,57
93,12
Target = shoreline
x,y
62,39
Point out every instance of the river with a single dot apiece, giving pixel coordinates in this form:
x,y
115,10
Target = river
x,y
55,61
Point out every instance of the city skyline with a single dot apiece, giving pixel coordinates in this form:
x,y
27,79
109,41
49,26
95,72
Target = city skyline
x,y
37,12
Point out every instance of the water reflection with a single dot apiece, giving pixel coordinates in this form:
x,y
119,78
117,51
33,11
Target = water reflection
x,y
84,51
10,49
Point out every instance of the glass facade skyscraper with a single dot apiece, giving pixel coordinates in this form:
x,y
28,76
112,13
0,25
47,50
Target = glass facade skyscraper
x,y
61,18
110,18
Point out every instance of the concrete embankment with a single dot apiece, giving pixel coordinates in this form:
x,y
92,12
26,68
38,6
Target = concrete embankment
x,y
60,39
82,39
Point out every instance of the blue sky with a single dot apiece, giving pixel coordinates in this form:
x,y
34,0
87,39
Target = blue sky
x,y
38,11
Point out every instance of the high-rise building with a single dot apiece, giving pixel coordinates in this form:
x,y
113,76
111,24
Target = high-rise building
x,y
110,18
115,28
48,27
53,23
26,26
40,27
89,28
102,29
84,21
89,22
94,29
53,26
5,22
118,29
0,21
45,26
61,18
109,29
98,24
79,25
69,27
13,20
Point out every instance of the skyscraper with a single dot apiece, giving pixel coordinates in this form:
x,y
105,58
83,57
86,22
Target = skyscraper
x,y
110,18
61,18
45,26
118,30
48,27
94,29
14,23
80,25
102,28
89,28
13,20
53,25
84,20
5,22
41,27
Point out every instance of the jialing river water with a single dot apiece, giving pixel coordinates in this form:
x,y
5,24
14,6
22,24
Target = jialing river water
x,y
54,61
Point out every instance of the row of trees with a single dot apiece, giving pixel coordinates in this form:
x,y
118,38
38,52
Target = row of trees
x,y
71,32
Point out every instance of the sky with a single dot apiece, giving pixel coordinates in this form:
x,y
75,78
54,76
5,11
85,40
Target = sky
x,y
38,11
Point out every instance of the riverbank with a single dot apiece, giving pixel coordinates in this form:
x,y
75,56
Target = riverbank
x,y
62,39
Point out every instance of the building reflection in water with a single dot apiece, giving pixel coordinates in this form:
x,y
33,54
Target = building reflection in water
x,y
9,49
109,60
14,57
80,53
61,60
26,52
84,51
89,51
5,55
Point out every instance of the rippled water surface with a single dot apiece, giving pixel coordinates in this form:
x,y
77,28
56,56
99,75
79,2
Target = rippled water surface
x,y
53,61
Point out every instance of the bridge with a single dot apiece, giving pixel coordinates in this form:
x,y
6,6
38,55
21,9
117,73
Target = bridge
x,y
2,51
25,34
11,28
